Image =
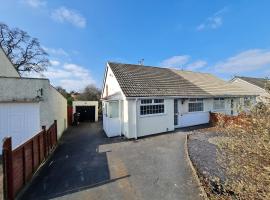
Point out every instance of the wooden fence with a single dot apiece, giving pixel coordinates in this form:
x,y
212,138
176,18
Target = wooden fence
x,y
69,115
20,164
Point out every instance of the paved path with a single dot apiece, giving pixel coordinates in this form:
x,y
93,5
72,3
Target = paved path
x,y
87,165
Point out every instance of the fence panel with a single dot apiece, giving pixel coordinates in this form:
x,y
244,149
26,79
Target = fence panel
x,y
69,115
21,163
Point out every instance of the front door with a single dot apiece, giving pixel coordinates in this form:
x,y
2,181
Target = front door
x,y
176,112
232,107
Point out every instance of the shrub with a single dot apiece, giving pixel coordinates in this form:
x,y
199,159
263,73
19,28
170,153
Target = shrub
x,y
246,155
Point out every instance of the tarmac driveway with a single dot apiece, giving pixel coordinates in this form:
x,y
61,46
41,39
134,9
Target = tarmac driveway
x,y
87,165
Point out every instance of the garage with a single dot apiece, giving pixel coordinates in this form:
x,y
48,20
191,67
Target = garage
x,y
87,113
88,110
19,120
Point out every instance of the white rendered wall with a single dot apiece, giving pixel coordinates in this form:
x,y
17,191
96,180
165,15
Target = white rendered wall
x,y
152,124
53,105
111,83
209,106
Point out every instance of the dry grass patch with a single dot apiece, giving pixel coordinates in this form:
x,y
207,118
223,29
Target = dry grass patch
x,y
245,154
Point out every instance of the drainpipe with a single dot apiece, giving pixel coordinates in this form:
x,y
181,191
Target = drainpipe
x,y
136,134
120,115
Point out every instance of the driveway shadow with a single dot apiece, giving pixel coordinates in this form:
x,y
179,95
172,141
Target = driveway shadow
x,y
76,164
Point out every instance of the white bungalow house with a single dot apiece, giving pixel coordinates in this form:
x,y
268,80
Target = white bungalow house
x,y
253,85
27,104
143,100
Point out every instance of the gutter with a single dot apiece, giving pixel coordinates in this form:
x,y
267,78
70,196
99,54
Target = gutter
x,y
188,97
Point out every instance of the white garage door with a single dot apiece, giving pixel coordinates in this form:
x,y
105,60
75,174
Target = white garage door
x,y
193,118
20,121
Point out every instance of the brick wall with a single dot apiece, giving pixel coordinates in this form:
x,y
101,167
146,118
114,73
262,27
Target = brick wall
x,y
219,118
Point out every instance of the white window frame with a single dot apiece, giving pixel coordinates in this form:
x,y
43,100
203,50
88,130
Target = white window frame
x,y
151,102
196,102
219,103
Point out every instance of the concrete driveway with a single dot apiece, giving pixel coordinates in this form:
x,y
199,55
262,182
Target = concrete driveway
x,y
87,165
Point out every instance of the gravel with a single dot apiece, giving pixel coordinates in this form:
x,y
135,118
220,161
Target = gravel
x,y
203,152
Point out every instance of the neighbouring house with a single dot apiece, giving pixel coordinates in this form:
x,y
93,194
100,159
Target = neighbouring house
x,y
143,100
253,85
27,104
75,95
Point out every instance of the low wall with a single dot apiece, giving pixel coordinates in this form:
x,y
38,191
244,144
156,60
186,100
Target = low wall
x,y
224,120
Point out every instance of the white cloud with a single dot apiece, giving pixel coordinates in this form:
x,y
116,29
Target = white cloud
x,y
35,3
65,15
183,62
68,75
250,60
196,65
56,52
54,62
214,21
175,61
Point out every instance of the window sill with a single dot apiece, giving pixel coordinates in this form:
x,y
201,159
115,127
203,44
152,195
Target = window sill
x,y
197,112
153,115
217,110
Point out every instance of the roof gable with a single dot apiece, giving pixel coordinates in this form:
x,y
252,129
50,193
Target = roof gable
x,y
6,67
260,82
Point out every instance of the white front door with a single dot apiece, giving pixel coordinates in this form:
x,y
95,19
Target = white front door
x,y
21,121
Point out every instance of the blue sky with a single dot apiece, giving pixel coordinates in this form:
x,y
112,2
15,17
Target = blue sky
x,y
225,38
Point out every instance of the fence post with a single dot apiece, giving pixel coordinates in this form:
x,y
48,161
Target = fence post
x,y
33,155
38,139
7,168
23,165
44,141
55,123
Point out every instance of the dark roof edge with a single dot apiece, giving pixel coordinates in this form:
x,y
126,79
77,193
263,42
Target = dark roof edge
x,y
193,96
24,78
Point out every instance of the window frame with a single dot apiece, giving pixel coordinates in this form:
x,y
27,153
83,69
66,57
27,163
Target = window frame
x,y
196,102
152,107
219,101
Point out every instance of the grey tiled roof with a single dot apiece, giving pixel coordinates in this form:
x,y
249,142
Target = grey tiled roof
x,y
146,81
260,82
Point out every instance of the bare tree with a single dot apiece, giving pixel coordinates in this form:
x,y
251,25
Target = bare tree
x,y
90,93
24,52
62,91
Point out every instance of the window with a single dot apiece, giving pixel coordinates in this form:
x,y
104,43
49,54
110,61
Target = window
x,y
158,100
219,103
113,110
151,106
195,105
146,101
